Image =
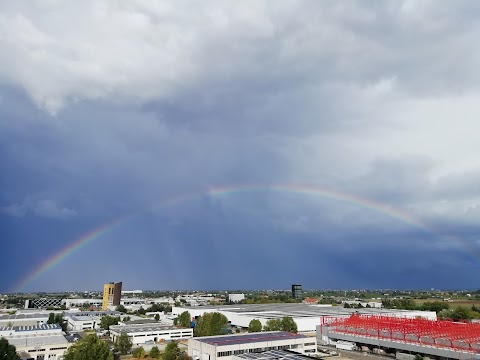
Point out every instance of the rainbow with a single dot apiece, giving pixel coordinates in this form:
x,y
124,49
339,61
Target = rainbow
x,y
324,193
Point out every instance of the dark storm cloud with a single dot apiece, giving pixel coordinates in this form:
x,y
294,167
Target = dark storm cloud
x,y
108,108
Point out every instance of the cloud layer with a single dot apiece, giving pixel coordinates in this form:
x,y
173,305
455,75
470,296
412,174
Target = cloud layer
x,y
108,108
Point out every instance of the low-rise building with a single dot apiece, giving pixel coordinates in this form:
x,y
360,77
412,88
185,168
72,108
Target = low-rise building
x,y
224,347
307,317
31,319
43,303
142,333
70,303
37,342
236,297
80,323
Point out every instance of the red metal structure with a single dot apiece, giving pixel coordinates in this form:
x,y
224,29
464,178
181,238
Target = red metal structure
x,y
435,333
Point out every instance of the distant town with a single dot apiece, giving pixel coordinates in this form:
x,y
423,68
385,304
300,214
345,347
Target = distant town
x,y
288,324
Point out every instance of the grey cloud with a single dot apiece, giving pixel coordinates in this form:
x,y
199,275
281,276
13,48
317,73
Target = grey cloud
x,y
43,208
153,100
155,51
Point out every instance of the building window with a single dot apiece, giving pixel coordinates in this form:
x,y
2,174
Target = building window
x,y
224,353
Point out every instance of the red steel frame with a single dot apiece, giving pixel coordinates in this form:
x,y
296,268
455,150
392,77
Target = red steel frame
x,y
435,333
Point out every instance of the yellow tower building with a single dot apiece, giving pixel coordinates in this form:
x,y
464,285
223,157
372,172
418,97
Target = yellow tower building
x,y
111,294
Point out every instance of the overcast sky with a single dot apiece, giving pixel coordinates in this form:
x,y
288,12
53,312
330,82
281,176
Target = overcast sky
x,y
108,108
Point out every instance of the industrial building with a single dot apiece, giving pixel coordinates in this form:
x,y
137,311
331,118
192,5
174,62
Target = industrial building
x,y
69,303
152,332
81,323
112,292
43,303
37,342
377,333
236,297
86,320
306,316
31,319
225,347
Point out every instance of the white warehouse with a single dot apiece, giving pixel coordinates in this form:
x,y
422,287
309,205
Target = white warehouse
x,y
154,332
306,316
37,342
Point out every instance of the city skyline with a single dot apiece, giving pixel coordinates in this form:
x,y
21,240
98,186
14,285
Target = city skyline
x,y
246,145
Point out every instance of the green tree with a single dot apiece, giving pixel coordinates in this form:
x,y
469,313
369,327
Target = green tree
x,y
123,344
254,326
211,324
7,351
51,318
107,321
460,313
171,351
288,324
273,325
138,353
436,306
141,311
121,308
184,319
157,317
58,319
154,353
89,348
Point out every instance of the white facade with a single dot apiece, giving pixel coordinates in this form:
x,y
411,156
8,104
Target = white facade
x,y
224,347
131,292
80,323
143,333
236,297
69,303
37,342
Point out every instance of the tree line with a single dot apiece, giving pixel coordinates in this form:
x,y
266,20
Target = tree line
x,y
443,310
284,324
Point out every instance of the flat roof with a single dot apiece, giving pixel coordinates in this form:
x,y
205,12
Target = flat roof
x,y
145,328
38,340
85,318
23,316
293,310
274,355
92,313
249,338
31,327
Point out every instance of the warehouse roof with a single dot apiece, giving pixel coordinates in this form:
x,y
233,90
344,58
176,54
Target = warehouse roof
x,y
293,310
23,316
249,338
274,355
38,340
31,328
